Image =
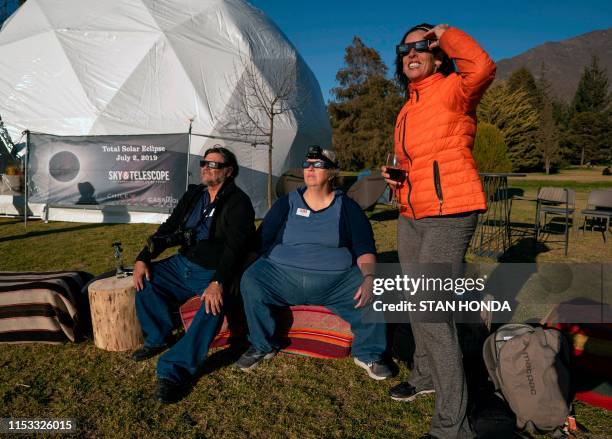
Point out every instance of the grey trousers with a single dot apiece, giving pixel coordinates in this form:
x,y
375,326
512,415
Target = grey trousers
x,y
438,361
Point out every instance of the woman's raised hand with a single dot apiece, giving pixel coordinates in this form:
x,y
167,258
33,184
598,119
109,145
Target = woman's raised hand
x,y
434,34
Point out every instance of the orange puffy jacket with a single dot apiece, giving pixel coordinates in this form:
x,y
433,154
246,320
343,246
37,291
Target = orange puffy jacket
x,y
434,134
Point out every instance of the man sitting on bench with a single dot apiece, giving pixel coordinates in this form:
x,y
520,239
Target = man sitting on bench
x,y
214,225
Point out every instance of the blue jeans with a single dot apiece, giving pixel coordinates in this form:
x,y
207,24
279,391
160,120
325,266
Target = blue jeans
x,y
173,282
267,284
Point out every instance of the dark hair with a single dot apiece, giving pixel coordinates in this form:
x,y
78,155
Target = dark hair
x,y
446,68
228,157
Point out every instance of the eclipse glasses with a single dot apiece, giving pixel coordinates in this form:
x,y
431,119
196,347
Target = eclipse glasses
x,y
317,165
419,46
212,165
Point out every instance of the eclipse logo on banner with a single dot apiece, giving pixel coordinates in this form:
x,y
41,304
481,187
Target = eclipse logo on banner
x,y
64,166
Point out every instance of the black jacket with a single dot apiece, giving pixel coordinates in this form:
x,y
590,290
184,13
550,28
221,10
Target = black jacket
x,y
231,234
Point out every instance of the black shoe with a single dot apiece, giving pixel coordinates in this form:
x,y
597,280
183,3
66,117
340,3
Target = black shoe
x,y
406,392
252,357
146,352
169,392
377,370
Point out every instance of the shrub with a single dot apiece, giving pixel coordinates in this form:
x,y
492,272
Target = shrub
x,y
490,151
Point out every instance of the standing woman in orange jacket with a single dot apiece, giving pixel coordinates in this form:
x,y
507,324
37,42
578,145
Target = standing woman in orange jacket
x,y
441,196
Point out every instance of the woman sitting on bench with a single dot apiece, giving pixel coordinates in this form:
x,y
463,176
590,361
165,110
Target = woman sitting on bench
x,y
317,248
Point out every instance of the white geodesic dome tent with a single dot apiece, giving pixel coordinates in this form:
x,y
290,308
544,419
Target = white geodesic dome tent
x,y
126,67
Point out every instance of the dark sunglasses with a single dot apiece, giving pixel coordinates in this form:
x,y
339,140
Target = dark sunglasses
x,y
419,46
317,165
212,165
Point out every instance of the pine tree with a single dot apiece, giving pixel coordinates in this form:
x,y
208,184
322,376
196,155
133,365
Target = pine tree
x,y
605,151
592,92
364,110
361,63
522,79
588,135
514,114
562,112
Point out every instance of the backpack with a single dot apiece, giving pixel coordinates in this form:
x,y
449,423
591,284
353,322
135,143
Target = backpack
x,y
529,366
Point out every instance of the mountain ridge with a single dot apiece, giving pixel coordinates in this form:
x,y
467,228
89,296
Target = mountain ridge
x,y
563,61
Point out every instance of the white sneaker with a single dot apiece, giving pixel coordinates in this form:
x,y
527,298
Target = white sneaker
x,y
378,370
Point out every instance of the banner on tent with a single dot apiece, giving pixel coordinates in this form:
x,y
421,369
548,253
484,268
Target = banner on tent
x,y
142,170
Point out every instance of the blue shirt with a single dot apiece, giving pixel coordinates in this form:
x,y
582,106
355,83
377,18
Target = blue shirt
x,y
330,239
201,217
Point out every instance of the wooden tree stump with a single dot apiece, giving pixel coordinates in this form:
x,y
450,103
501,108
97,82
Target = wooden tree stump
x,y
113,314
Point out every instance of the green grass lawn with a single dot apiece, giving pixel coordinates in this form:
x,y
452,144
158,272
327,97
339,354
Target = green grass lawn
x,y
289,396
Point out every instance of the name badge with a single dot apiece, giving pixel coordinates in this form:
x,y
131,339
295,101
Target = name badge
x,y
303,212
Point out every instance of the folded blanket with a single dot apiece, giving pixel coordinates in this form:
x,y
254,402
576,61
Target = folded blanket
x,y
42,307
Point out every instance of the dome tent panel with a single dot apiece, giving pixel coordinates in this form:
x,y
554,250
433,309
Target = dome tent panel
x,y
28,21
158,97
183,56
34,99
89,58
92,15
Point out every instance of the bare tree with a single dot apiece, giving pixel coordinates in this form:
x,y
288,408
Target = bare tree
x,y
262,93
547,138
547,135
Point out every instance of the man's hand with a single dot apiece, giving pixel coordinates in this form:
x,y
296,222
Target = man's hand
x,y
393,184
141,271
364,293
434,34
213,298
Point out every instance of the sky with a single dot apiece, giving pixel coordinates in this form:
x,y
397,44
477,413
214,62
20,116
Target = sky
x,y
7,7
321,30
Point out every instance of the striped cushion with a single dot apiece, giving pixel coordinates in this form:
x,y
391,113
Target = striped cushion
x,y
308,330
41,307
231,329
